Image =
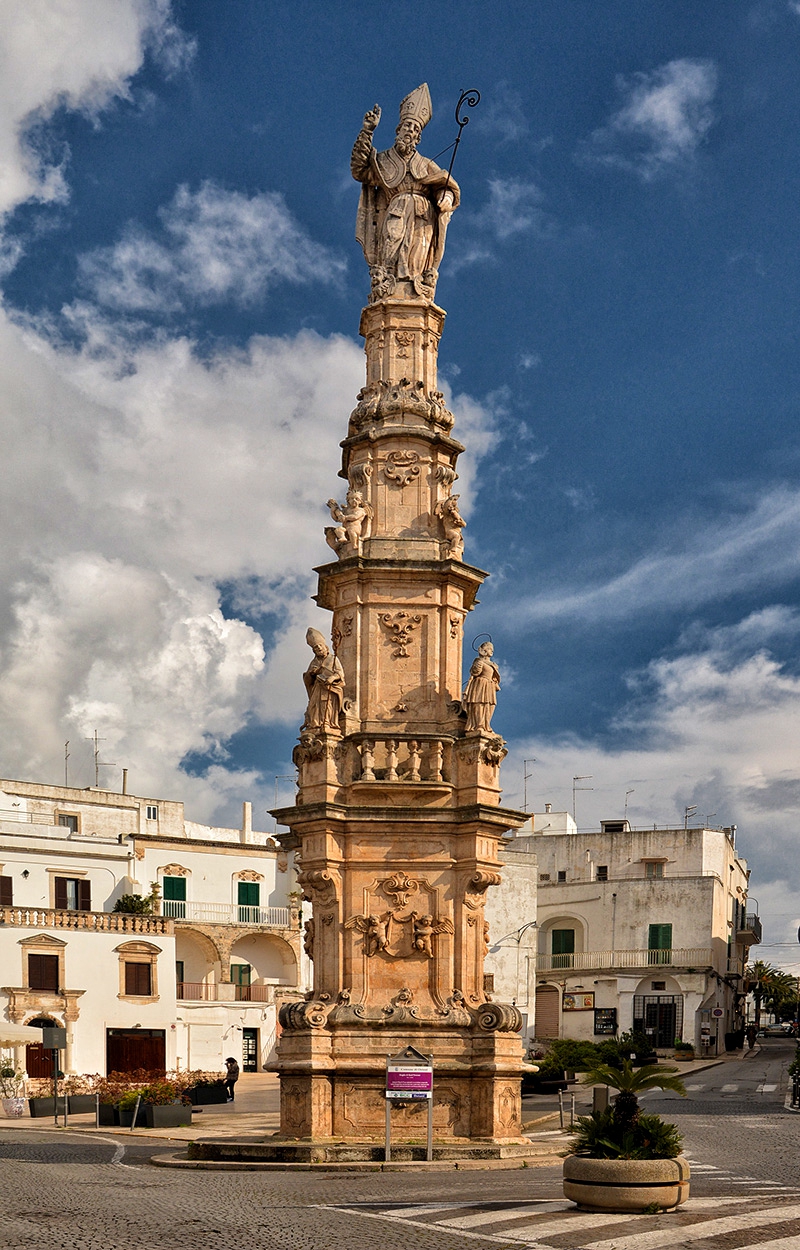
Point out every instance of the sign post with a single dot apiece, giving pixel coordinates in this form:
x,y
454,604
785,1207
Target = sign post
x,y
55,1040
409,1078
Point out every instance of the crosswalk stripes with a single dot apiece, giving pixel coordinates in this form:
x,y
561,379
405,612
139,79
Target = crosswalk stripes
x,y
558,1225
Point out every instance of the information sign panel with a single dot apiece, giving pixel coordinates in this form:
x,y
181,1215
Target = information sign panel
x,y
405,1080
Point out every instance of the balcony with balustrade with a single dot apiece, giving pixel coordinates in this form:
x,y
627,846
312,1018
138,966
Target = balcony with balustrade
x,y
749,933
196,912
688,959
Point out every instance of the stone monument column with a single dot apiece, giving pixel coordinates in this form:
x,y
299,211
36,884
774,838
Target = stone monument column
x,y
397,821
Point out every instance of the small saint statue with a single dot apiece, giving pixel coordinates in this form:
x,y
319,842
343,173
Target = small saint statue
x,y
406,204
480,695
324,683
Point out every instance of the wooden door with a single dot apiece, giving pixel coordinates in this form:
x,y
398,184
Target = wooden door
x,y
130,1049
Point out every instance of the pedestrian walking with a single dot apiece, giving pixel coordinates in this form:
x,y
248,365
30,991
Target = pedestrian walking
x,y
231,1076
751,1034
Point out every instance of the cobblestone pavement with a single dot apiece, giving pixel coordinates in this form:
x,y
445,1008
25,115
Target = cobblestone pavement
x,y
93,1191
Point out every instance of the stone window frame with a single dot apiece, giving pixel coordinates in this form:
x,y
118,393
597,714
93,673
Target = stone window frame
x,y
43,944
248,875
60,811
140,953
69,874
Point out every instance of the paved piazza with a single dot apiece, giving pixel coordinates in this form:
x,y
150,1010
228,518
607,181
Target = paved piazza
x,y
86,1190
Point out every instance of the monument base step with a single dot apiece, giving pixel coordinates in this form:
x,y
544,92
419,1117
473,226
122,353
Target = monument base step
x,y
227,1150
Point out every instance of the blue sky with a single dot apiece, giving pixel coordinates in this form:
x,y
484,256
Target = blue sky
x,y
179,355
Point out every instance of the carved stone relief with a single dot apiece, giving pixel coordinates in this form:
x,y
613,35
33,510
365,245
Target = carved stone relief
x,y
342,628
401,467
399,888
404,339
399,626
248,876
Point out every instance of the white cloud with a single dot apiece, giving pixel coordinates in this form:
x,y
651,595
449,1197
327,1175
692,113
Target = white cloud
x,y
757,549
78,55
217,245
664,117
716,726
514,207
500,114
136,480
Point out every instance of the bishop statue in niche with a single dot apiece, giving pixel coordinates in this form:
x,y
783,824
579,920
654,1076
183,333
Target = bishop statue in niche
x,y
406,203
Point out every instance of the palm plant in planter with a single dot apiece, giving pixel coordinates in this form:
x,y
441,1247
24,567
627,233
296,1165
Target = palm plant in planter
x,y
621,1159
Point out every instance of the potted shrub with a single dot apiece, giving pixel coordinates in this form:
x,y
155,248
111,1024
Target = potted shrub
x,y
637,1047
163,1106
40,1098
683,1050
11,1087
621,1159
206,1088
126,1107
80,1091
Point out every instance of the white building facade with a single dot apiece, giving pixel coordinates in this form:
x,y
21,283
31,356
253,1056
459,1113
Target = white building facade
x,y
183,988
644,929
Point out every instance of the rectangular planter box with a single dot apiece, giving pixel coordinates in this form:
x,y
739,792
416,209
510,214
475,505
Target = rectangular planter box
x,y
81,1104
208,1095
45,1106
176,1115
109,1114
125,1118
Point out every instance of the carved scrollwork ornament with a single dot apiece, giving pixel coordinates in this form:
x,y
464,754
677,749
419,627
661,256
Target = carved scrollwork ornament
x,y
399,626
401,467
500,1018
296,1016
317,885
399,888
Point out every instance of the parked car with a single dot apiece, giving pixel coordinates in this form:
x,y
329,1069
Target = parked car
x,y
775,1030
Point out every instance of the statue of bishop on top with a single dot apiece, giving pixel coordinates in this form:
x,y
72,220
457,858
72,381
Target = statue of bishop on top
x,y
406,204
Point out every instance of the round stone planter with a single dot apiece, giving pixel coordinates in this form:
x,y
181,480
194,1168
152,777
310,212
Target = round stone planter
x,y
14,1108
626,1184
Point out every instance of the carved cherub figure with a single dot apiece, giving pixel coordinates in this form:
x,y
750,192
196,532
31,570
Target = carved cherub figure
x,y
354,521
423,930
375,929
308,938
452,523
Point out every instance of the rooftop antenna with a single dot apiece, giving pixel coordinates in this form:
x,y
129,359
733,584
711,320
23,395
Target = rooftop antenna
x,y
575,789
687,812
525,776
66,763
628,793
98,763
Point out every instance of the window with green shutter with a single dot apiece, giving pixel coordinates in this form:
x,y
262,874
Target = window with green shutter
x,y
562,947
659,944
174,897
248,898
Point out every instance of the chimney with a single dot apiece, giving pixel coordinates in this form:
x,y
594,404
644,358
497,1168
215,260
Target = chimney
x,y
247,822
